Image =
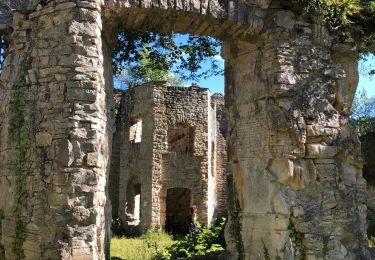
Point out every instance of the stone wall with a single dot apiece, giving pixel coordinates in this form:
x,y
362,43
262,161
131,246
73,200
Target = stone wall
x,y
368,152
136,158
221,126
294,158
54,159
291,141
176,151
114,177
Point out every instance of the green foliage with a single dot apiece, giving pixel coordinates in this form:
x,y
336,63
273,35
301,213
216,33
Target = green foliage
x,y
363,113
18,137
164,53
206,241
344,14
296,238
20,237
146,71
220,108
335,13
266,254
144,247
236,228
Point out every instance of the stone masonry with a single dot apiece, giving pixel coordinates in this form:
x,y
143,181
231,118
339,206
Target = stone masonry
x,y
168,138
294,170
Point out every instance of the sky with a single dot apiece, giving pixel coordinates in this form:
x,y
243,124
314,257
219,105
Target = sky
x,y
366,82
216,84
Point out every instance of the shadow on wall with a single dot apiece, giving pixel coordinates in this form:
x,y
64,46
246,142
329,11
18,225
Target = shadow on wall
x,y
368,154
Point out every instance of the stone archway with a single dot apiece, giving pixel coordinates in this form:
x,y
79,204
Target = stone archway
x,y
293,156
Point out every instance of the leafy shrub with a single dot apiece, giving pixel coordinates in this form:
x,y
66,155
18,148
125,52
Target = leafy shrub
x,y
206,241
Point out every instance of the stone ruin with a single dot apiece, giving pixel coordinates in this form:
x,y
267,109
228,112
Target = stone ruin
x,y
168,153
294,165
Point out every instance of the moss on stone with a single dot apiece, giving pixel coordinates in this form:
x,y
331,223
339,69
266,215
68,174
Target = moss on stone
x,y
353,15
235,228
18,138
296,239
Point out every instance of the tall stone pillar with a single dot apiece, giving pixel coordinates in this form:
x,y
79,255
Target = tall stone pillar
x,y
294,158
54,138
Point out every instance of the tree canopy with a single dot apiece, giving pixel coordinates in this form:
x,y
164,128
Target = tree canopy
x,y
145,71
142,56
363,112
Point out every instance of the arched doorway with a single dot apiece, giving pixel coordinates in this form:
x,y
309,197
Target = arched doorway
x,y
133,203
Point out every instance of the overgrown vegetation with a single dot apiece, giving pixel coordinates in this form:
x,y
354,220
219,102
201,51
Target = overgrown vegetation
x,y
267,255
235,228
160,246
131,76
363,116
206,241
299,250
143,56
338,15
363,113
144,247
18,137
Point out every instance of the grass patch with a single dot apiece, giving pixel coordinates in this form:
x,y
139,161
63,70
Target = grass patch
x,y
140,248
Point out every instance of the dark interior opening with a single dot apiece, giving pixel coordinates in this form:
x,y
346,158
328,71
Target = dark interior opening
x,y
178,210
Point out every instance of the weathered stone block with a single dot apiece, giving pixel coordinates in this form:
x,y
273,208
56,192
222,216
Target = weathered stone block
x,y
64,152
348,173
94,159
326,171
320,151
43,139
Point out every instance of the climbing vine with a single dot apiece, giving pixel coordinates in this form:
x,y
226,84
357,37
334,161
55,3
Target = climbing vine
x,y
236,228
18,137
296,238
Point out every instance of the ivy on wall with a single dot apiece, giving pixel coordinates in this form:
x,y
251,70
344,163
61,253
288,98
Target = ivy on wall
x,y
296,238
235,228
18,138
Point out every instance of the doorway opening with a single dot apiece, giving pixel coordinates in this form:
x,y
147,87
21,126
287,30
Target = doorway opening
x,y
177,135
179,201
133,203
